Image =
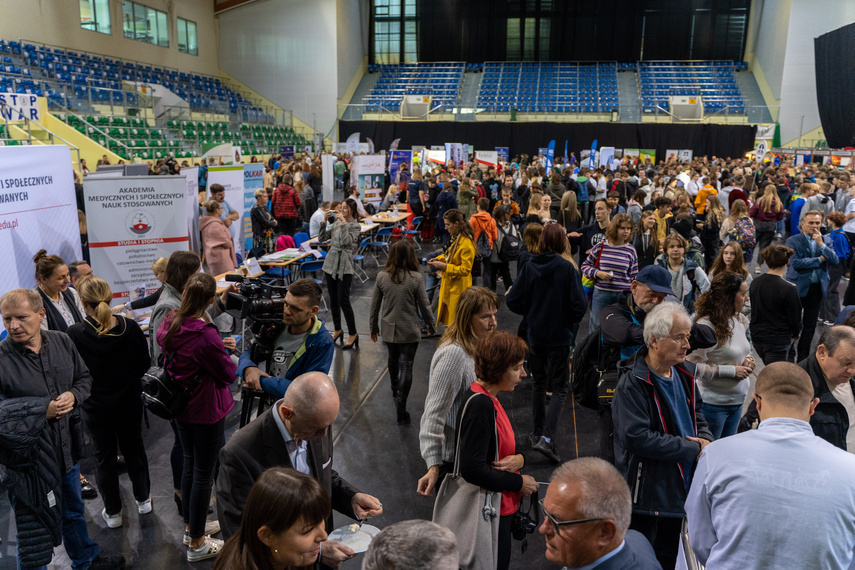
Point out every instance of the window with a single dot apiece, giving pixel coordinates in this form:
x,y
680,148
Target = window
x,y
529,27
145,24
95,15
395,35
187,37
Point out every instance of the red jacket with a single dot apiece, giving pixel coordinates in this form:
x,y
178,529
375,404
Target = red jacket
x,y
758,213
285,202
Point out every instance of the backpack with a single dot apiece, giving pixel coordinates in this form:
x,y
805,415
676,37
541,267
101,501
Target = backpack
x,y
510,249
744,233
594,376
483,249
161,394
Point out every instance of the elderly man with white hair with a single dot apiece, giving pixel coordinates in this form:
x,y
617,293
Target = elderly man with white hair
x,y
659,429
412,545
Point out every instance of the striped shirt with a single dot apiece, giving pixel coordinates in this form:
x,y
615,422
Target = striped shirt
x,y
621,261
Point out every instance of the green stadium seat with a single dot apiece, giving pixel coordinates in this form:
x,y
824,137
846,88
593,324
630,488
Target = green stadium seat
x,y
172,124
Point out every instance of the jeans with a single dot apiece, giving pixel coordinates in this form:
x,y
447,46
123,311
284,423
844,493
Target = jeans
x,y
811,305
549,364
600,300
79,547
176,458
722,420
773,353
339,292
201,443
765,232
114,430
501,269
401,357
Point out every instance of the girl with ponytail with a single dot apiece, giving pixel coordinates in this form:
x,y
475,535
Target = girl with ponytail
x,y
116,353
197,359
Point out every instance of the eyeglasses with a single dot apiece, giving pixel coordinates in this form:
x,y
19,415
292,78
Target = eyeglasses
x,y
556,524
681,339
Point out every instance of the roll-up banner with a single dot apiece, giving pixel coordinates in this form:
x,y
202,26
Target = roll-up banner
x,y
396,158
231,177
37,210
133,220
487,157
191,196
370,173
328,184
503,152
253,179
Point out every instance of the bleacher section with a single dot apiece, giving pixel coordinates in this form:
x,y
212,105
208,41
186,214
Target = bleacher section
x,y
180,139
78,80
439,80
711,80
549,87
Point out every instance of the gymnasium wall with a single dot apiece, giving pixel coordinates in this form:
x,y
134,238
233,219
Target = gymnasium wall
x,y
300,54
784,53
57,22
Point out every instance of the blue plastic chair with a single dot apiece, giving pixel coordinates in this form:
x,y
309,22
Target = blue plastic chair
x,y
300,237
416,232
359,259
380,244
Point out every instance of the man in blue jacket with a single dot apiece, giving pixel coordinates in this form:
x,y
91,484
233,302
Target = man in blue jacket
x,y
659,429
305,345
808,269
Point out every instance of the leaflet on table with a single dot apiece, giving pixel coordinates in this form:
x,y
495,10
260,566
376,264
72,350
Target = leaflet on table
x,y
280,255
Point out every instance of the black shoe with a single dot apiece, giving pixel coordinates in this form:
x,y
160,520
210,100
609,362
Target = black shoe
x,y
402,413
548,449
121,466
87,491
102,562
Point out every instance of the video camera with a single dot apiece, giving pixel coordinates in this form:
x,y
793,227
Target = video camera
x,y
261,303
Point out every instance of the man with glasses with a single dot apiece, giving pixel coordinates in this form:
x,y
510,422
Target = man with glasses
x,y
778,496
586,515
659,429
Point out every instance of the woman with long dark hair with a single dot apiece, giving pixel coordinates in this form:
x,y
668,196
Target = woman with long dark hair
x,y
400,291
723,370
646,242
709,229
197,359
282,525
114,349
767,211
343,235
455,264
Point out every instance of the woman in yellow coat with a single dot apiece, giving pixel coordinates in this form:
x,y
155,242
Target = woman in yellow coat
x,y
454,265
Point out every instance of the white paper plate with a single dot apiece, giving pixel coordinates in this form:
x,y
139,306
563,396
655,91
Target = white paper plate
x,y
358,540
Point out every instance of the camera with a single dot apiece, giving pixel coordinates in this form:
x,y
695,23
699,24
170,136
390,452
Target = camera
x,y
257,300
521,525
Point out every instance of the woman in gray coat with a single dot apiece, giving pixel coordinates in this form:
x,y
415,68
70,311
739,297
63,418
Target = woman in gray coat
x,y
400,289
338,266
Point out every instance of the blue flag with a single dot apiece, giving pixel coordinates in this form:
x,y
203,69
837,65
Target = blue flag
x,y
550,155
592,160
565,154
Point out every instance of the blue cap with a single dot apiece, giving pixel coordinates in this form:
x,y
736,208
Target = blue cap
x,y
657,278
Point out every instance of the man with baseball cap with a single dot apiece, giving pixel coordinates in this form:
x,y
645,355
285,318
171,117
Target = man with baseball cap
x,y
622,326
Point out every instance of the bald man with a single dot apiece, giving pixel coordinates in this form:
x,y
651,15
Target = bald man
x,y
296,433
755,494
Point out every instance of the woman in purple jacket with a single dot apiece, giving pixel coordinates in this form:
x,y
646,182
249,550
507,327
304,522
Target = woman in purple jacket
x,y
194,351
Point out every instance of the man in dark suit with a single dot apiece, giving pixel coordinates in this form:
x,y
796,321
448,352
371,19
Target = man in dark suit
x,y
586,512
293,433
808,269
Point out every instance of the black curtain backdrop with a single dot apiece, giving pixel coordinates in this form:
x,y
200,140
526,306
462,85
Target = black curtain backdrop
x,y
706,139
835,86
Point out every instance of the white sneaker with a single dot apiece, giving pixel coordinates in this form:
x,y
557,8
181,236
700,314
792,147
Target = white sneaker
x,y
211,527
113,521
208,549
144,507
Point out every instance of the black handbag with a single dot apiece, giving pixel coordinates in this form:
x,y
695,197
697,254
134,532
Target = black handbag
x,y
162,395
608,379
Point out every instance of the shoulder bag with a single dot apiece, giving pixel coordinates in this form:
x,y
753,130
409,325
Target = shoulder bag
x,y
470,512
162,395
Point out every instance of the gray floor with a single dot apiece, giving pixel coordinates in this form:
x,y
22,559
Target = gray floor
x,y
371,451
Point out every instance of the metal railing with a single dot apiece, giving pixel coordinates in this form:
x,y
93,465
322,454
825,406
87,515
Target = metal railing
x,y
52,136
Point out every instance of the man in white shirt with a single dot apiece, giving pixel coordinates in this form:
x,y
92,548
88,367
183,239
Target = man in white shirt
x,y
319,216
778,496
360,207
694,184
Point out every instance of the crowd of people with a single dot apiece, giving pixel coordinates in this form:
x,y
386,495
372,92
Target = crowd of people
x,y
660,259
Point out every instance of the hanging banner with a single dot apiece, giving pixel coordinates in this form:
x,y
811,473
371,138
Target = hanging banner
x,y
191,197
765,132
288,151
503,153
38,210
133,220
370,173
396,158
253,179
19,106
328,175
487,157
607,155
231,177
353,143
